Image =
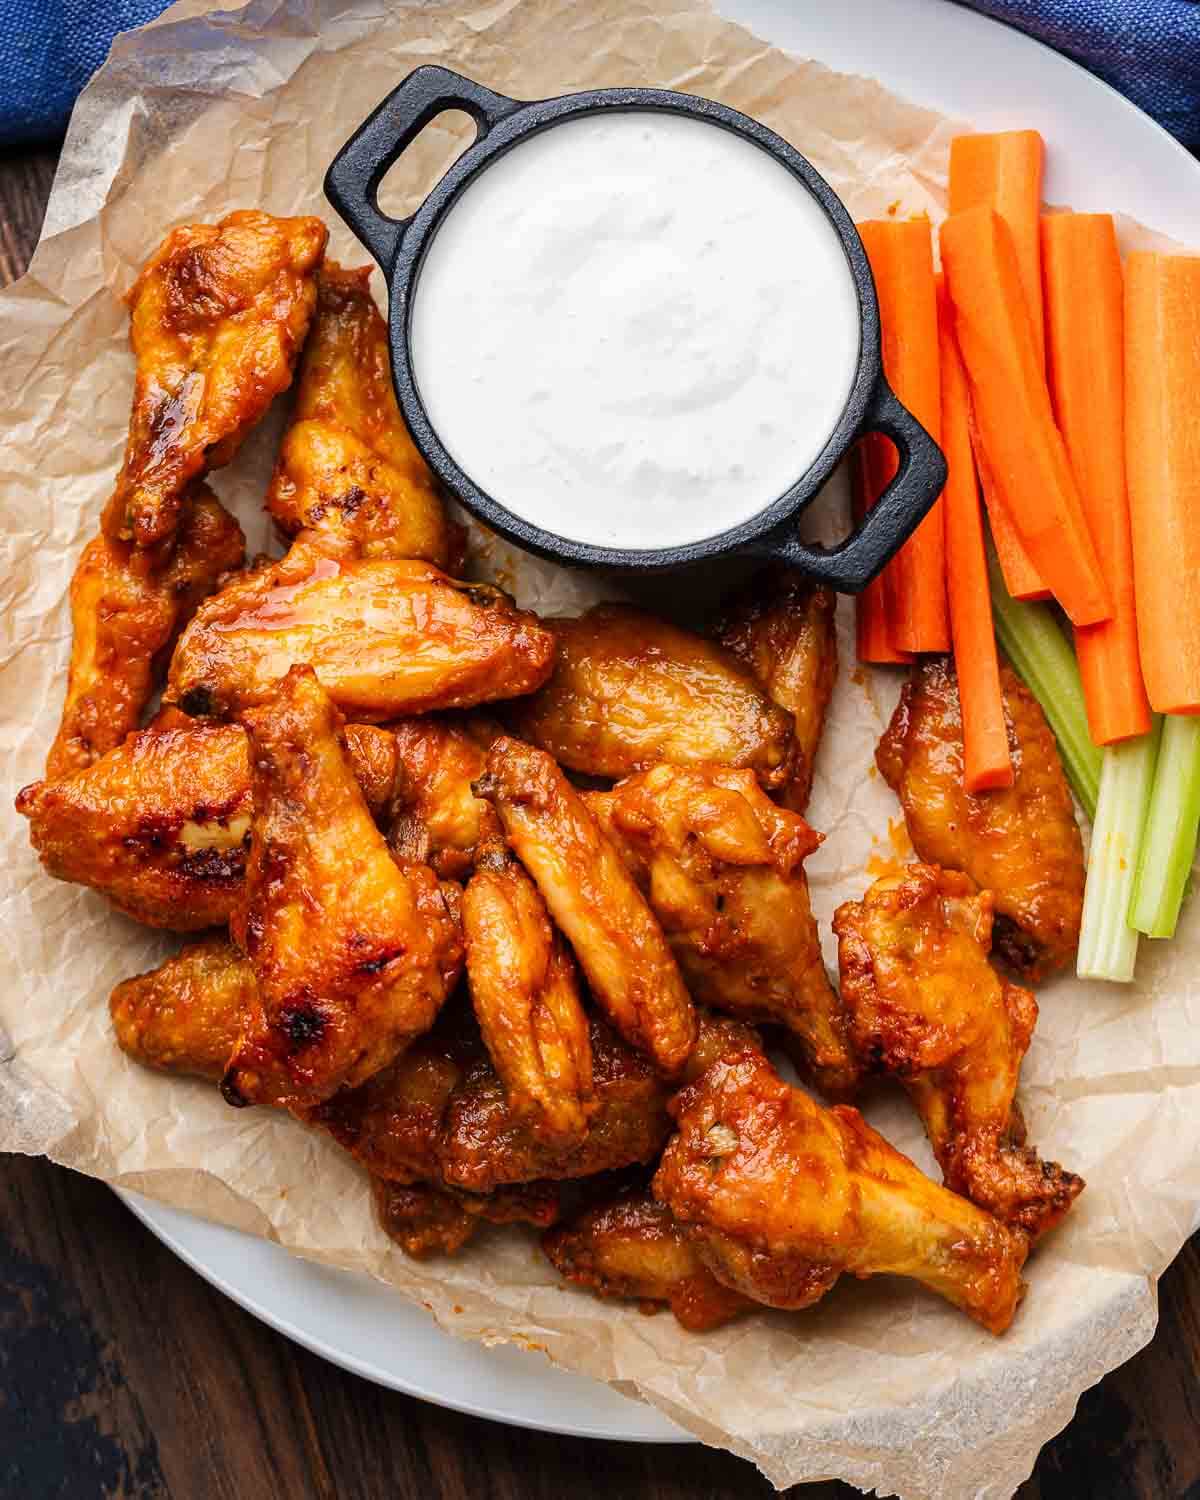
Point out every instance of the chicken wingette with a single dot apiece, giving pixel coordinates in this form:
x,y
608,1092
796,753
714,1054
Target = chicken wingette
x,y
927,1008
385,638
630,690
161,824
525,989
1020,842
617,941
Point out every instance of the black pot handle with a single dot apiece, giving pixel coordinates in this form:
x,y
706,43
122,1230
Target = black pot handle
x,y
851,565
352,181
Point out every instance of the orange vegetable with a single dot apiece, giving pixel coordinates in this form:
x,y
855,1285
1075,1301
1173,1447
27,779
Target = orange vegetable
x,y
1023,449
901,256
1004,171
1085,342
872,462
1020,576
986,761
1162,457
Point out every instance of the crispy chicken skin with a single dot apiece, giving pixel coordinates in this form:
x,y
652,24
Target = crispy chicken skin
x,y
630,690
525,990
781,629
594,900
425,1220
632,1248
435,815
723,870
124,618
784,1196
927,1007
217,318
385,638
482,1146
347,468
185,1016
352,954
161,824
1020,842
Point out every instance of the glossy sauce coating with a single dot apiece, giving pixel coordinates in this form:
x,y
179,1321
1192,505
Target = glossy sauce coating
x,y
630,691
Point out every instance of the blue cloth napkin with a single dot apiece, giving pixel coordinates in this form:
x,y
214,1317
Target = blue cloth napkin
x,y
1149,49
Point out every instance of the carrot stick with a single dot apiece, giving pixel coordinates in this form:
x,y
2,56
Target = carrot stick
x,y
1004,171
1022,578
873,626
1023,449
1162,455
901,256
1085,343
986,761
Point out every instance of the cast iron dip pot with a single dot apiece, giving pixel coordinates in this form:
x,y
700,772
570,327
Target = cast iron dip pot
x,y
399,245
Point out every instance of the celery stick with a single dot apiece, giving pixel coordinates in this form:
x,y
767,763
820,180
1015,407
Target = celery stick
x,y
1107,943
1042,656
1169,840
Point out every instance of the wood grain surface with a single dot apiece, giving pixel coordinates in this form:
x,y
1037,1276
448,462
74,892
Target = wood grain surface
x,y
124,1376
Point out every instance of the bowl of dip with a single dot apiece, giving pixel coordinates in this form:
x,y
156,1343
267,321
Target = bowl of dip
x,y
633,328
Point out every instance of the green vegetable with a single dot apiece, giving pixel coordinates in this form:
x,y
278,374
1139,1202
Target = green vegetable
x,y
1169,839
1107,943
1042,655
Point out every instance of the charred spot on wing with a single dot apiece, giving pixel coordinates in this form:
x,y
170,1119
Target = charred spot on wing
x,y
302,1024
215,866
351,500
198,702
230,1091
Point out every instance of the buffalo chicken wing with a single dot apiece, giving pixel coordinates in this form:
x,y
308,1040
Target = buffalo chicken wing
x,y
385,638
347,470
723,870
782,630
124,617
927,1007
1020,842
783,1197
217,318
352,954
161,824
630,690
594,900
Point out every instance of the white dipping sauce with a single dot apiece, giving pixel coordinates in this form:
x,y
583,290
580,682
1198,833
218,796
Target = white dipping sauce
x,y
635,329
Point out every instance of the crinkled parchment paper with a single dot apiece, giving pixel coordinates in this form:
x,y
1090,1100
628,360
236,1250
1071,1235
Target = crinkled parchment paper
x,y
882,1385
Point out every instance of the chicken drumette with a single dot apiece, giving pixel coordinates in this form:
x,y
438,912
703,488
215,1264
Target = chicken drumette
x,y
353,955
927,1007
782,1197
723,870
217,318
1020,842
630,690
781,629
347,468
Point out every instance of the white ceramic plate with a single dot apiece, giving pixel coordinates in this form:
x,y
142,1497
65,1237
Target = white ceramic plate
x,y
1103,151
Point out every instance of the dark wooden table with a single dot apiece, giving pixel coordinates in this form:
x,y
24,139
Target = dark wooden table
x,y
125,1376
